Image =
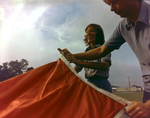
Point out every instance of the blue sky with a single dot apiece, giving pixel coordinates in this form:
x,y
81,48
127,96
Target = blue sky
x,y
34,29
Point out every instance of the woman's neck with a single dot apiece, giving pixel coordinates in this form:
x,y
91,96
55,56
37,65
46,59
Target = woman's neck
x,y
92,45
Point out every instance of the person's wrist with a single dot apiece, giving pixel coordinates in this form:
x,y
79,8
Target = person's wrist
x,y
74,55
78,63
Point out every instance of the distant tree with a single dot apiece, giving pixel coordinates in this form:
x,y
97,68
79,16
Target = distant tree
x,y
30,68
13,68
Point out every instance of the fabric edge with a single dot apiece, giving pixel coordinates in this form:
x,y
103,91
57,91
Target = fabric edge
x,y
122,113
116,98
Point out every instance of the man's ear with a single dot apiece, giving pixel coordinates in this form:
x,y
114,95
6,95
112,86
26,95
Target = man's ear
x,y
106,1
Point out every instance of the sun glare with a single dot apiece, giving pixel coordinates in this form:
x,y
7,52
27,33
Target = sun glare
x,y
15,19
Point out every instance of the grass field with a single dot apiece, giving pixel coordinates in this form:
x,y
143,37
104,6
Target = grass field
x,y
131,96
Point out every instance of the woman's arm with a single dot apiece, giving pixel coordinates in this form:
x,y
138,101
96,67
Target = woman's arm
x,y
94,65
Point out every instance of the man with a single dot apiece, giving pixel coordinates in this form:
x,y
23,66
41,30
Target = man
x,y
135,30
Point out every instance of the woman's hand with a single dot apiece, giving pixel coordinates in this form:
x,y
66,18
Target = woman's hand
x,y
72,59
69,56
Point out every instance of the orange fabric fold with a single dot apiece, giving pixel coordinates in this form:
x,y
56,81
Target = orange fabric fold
x,y
53,91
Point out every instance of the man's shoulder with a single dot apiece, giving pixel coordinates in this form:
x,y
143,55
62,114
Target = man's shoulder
x,y
122,24
145,5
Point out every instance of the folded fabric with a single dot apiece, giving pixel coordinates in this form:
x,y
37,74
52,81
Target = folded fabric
x,y
55,90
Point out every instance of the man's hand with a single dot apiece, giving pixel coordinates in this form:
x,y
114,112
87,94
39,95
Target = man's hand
x,y
69,56
139,110
64,51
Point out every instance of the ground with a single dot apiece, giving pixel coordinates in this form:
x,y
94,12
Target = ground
x,y
131,96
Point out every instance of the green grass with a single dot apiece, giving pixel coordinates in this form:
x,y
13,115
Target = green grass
x,y
131,96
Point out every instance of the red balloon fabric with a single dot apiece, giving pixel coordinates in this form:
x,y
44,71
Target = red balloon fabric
x,y
54,91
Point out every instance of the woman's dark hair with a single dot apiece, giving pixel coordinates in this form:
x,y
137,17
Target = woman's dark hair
x,y
99,36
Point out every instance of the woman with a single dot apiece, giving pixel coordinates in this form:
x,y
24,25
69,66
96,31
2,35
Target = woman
x,y
96,71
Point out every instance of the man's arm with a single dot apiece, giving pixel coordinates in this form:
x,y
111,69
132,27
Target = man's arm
x,y
93,54
89,55
104,65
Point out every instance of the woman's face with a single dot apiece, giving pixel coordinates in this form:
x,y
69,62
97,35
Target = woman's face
x,y
91,34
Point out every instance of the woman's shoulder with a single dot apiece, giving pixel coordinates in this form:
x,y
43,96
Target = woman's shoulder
x,y
98,45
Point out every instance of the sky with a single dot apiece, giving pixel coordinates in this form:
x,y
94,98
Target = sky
x,y
34,29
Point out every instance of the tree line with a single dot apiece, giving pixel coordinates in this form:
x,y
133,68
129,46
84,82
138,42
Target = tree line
x,y
13,68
